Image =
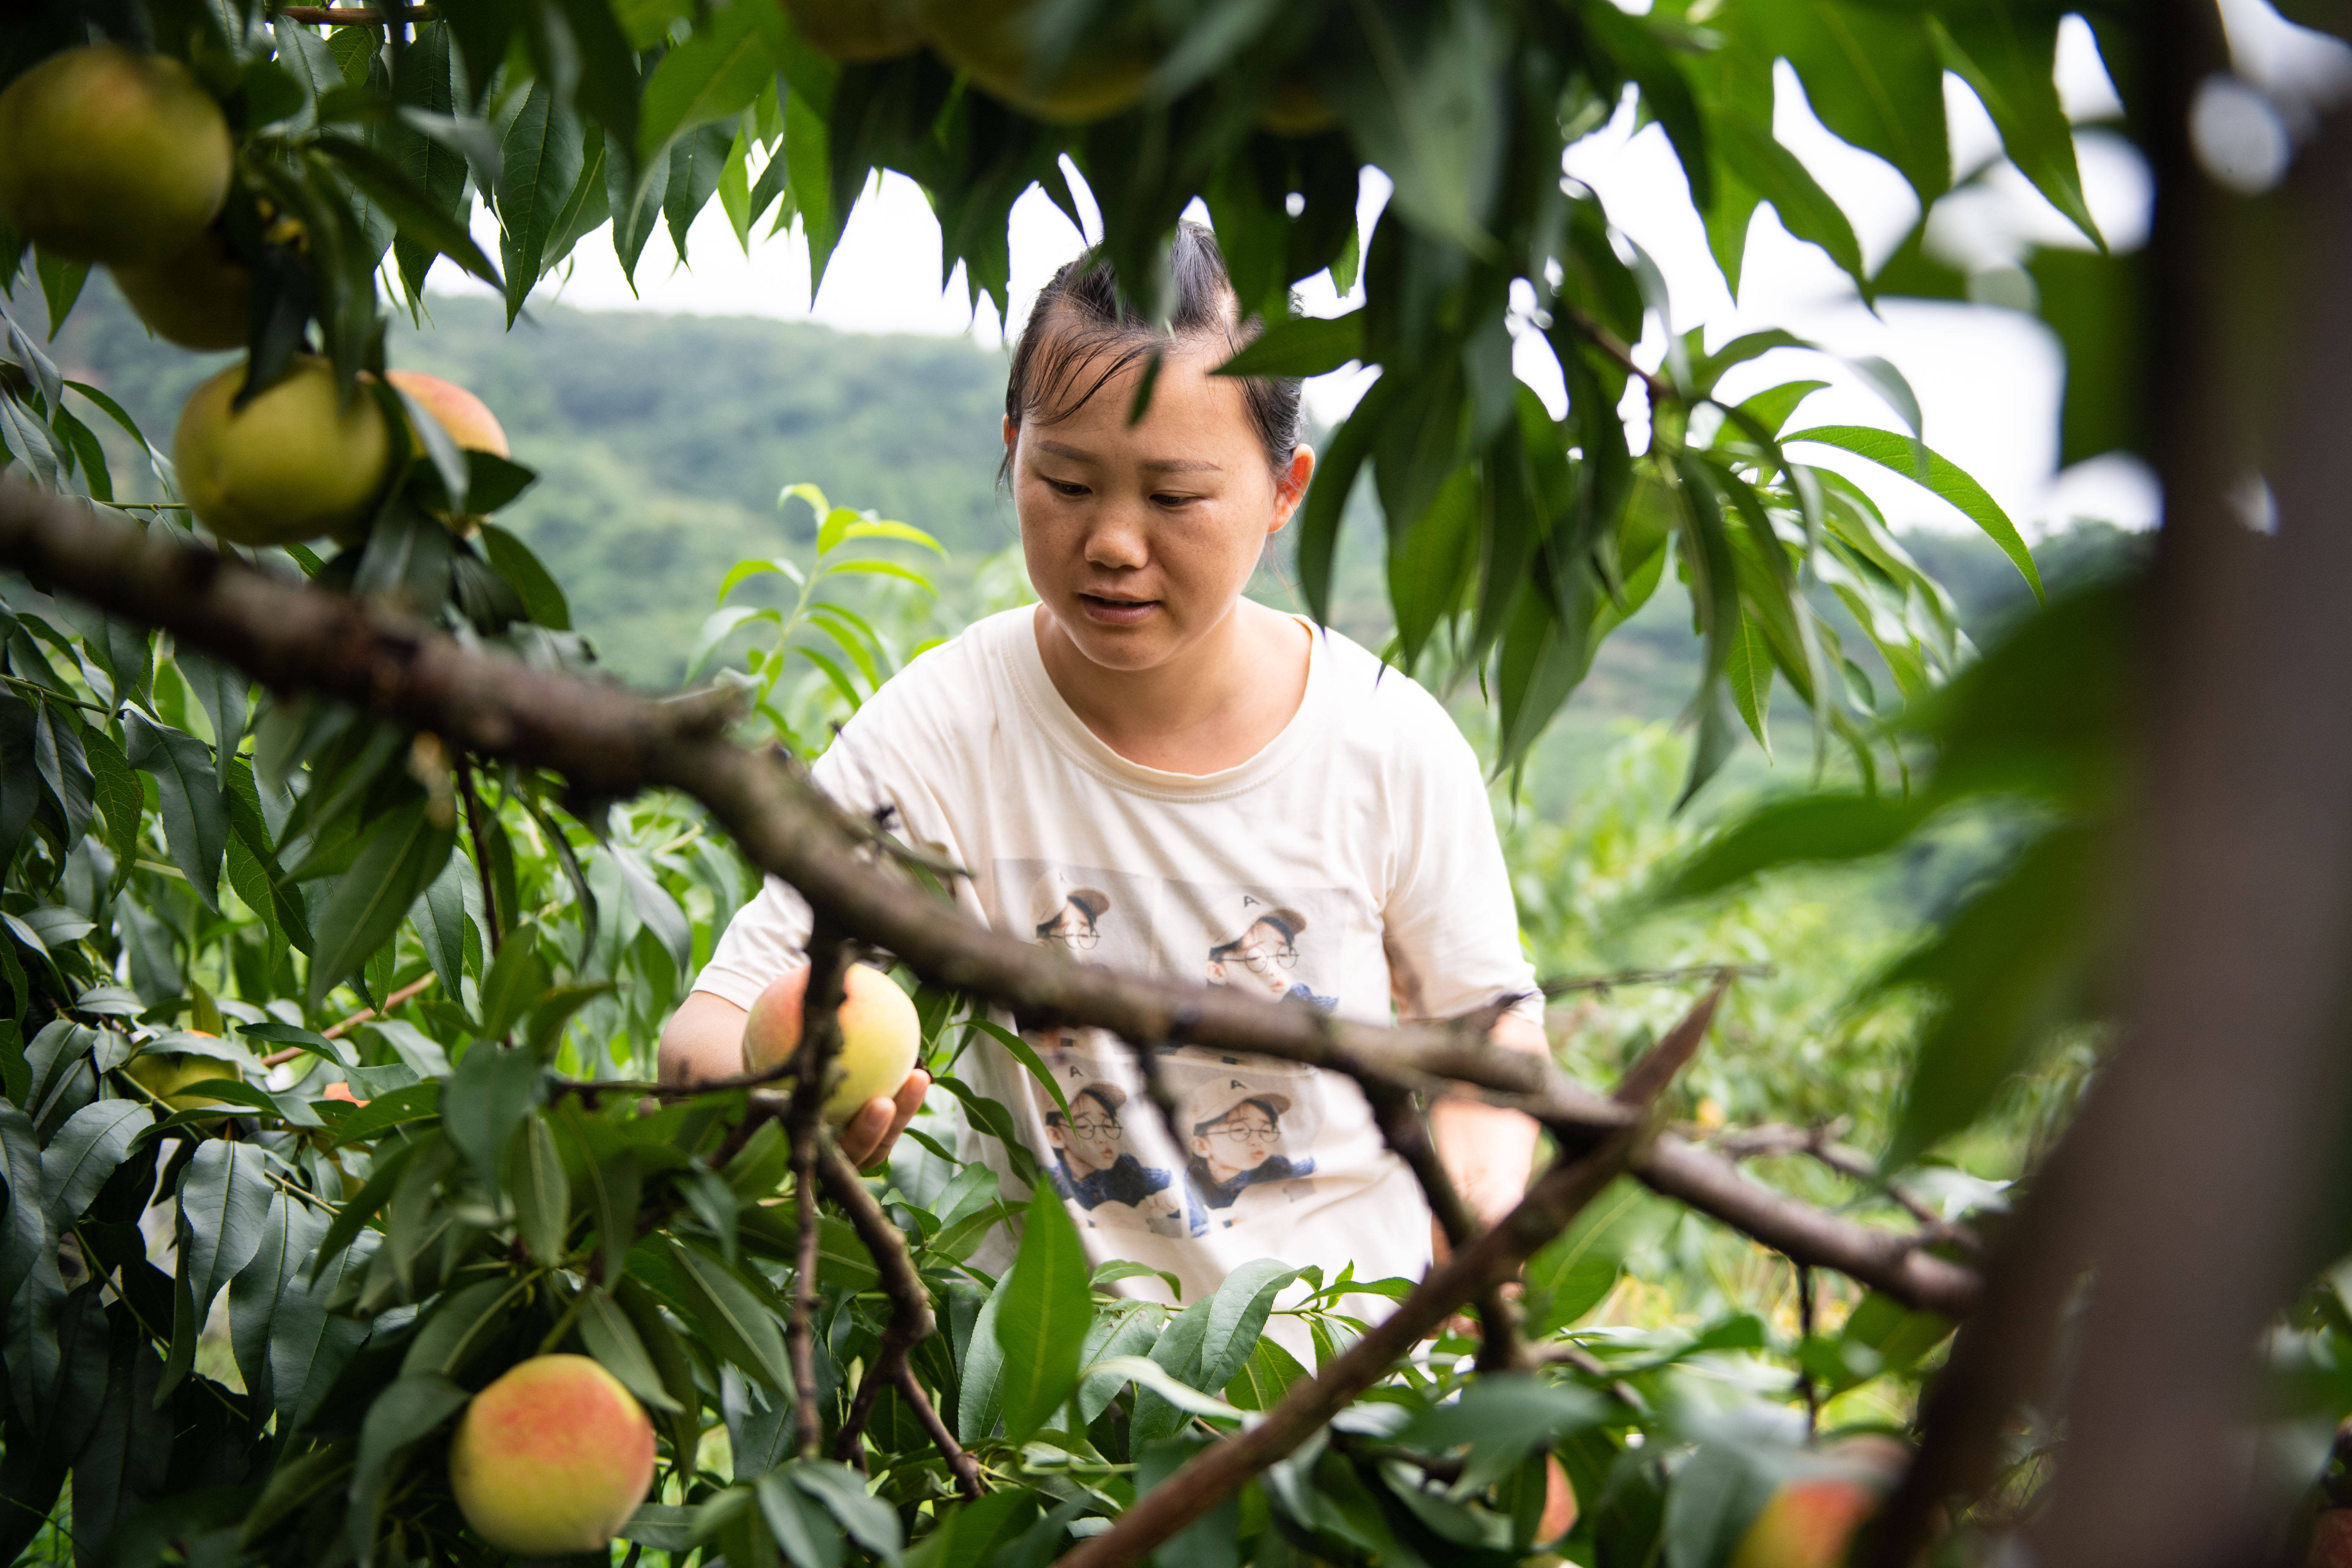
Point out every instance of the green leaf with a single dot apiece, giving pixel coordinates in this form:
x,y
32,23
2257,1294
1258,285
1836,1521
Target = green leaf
x,y
1716,1496
224,1197
713,76
117,792
799,1522
1047,1307
409,205
541,1196
308,1345
1237,1315
484,1102
540,162
540,595
188,796
2098,306
401,856
1748,673
84,1151
1500,1418
441,926
2008,54
1309,345
612,1340
402,1417
1761,168
1870,74
1944,477
457,1326
738,1328
1807,829
869,1520
2010,967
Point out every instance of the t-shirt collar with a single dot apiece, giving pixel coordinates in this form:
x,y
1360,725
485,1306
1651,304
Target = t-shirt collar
x,y
1013,641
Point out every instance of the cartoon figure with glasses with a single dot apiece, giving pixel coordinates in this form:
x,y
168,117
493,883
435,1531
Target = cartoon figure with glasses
x,y
1091,1168
1060,913
1260,947
1236,1133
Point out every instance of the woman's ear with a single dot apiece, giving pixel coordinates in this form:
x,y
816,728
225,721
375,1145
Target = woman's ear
x,y
1290,486
1011,436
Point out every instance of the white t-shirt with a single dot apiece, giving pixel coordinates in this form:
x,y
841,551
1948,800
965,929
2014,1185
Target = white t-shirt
x,y
1352,865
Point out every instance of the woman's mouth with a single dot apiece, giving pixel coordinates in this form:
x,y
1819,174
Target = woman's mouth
x,y
1112,612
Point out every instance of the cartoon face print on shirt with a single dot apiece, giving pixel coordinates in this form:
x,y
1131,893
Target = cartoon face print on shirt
x,y
1236,1128
1255,943
1093,1168
1067,915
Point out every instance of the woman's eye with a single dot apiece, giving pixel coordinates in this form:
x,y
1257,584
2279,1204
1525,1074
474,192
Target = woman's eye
x,y
1064,488
1168,500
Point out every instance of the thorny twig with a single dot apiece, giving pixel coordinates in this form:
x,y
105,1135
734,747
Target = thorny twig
x,y
911,1322
1820,1142
1623,977
820,1040
336,1031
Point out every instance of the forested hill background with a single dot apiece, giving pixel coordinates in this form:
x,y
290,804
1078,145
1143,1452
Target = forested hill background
x,y
666,439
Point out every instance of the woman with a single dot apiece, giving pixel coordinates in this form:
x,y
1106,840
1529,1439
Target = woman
x,y
1148,738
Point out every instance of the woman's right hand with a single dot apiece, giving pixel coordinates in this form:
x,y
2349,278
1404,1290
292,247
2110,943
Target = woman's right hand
x,y
704,1041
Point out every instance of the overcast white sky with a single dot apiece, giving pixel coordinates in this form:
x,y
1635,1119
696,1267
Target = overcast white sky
x,y
1988,380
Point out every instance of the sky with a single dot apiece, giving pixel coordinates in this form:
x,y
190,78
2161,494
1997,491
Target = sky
x,y
1988,380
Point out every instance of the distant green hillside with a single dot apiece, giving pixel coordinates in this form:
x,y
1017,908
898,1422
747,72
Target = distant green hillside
x,y
665,439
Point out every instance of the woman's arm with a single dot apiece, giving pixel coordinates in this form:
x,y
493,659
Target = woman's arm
x,y
1488,1151
704,1040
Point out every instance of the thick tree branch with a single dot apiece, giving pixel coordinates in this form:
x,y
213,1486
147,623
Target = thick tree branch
x,y
606,742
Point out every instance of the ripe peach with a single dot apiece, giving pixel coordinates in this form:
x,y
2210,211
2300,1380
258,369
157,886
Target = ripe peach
x,y
110,155
199,297
293,463
551,1458
1809,1523
1559,1504
880,1036
2331,1540
857,29
467,417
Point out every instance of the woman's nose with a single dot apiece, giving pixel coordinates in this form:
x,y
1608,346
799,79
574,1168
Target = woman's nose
x,y
1117,539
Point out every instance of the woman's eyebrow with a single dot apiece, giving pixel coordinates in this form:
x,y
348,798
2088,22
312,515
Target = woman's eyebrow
x,y
1159,465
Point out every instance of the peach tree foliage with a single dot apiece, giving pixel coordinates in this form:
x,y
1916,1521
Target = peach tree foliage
x,y
195,871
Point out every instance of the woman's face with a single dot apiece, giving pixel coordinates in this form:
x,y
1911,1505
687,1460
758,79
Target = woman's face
x,y
1240,1142
1141,538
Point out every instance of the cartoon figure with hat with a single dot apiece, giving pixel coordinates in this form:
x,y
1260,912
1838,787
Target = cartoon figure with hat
x,y
1060,913
1236,1133
1257,944
1090,1167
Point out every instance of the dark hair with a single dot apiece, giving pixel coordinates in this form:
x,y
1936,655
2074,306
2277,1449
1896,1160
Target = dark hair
x,y
1091,1091
1217,953
1085,330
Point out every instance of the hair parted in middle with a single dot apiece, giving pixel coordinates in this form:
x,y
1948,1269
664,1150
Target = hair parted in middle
x,y
1084,331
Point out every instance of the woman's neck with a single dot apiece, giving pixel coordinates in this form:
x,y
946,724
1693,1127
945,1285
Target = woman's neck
x,y
1213,707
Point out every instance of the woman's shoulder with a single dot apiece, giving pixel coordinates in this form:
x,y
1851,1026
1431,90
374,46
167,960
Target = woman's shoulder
x,y
1380,706
940,703
949,683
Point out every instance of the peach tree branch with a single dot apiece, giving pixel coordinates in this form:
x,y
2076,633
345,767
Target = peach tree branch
x,y
606,742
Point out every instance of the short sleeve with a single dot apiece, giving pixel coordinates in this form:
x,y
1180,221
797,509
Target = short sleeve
x,y
1451,925
875,765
